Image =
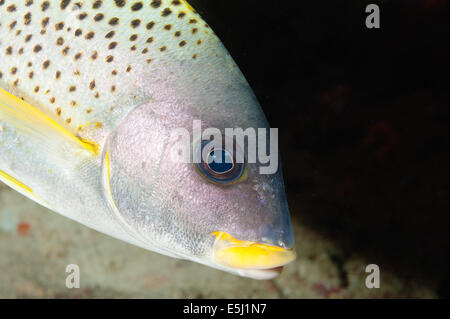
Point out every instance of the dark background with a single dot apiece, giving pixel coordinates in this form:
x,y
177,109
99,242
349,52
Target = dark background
x,y
362,116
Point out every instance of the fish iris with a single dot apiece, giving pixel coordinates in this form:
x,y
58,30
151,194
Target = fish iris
x,y
220,165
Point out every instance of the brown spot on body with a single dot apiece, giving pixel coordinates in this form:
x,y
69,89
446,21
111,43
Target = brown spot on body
x,y
65,51
94,55
9,50
114,21
181,15
69,120
78,32
45,5
166,12
150,25
110,34
120,3
92,85
82,16
13,70
28,37
57,75
167,27
133,37
182,43
36,89
112,45
135,23
72,88
64,4
78,56
37,48
60,41
30,75
99,17
11,8
52,100
97,4
109,58
89,35
45,21
12,25
59,26
156,3
136,6
45,64
58,111
27,18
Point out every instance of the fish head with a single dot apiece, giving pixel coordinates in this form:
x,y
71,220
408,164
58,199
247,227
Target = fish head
x,y
161,182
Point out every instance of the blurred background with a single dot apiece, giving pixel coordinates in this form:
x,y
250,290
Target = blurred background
x,y
363,122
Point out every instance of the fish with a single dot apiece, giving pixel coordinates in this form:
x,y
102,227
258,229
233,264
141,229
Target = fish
x,y
90,95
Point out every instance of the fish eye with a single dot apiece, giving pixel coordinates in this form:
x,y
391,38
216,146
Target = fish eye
x,y
220,166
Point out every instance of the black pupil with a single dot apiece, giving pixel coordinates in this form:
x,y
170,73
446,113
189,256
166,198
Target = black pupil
x,y
220,161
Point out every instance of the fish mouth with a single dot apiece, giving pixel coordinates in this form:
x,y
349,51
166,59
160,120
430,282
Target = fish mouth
x,y
251,259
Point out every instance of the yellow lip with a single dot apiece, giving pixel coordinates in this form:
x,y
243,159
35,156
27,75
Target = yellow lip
x,y
235,253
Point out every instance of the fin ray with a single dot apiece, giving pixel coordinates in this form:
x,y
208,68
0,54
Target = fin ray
x,y
29,119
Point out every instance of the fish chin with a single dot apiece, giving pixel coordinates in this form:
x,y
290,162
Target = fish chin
x,y
261,274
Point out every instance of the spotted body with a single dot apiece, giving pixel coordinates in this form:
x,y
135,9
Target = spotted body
x,y
89,93
81,61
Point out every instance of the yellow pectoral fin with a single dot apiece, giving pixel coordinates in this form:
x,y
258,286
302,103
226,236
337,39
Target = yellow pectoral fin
x,y
36,124
21,188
